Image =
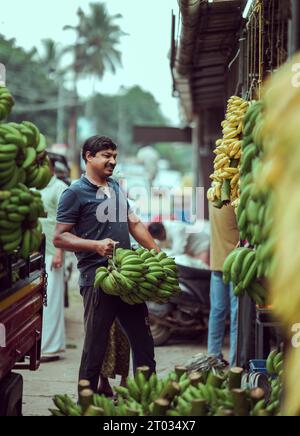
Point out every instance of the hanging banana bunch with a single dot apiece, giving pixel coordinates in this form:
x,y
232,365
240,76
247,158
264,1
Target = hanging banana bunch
x,y
226,176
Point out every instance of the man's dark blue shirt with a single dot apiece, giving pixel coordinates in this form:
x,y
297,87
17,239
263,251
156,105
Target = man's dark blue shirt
x,y
95,217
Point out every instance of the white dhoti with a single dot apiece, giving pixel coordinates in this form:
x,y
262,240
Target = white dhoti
x,y
53,337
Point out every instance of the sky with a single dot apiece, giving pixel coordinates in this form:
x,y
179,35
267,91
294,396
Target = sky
x,y
145,49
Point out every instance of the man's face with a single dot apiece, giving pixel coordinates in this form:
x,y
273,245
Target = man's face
x,y
104,162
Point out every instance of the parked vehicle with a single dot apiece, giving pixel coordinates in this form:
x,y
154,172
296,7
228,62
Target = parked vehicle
x,y
22,294
187,313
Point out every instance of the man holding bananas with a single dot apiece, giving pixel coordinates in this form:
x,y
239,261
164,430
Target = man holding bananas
x,y
93,217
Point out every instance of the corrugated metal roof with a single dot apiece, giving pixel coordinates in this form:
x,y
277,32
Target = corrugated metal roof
x,y
208,37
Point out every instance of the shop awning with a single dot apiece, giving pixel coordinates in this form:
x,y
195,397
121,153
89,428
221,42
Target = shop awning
x,y
207,43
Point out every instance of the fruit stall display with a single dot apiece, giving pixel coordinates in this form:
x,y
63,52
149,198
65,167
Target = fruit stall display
x,y
225,185
180,393
267,212
23,165
139,276
242,148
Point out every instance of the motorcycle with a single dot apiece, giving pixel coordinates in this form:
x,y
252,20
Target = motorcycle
x,y
187,313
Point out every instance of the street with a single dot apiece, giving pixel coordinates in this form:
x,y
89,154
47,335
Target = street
x,y
61,377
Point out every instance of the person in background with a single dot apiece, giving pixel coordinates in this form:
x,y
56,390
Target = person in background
x,y
188,243
224,239
53,337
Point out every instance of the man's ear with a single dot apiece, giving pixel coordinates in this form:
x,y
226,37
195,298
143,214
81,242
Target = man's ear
x,y
88,156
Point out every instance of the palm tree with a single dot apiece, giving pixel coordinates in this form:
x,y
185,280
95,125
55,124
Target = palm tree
x,y
95,50
97,34
51,57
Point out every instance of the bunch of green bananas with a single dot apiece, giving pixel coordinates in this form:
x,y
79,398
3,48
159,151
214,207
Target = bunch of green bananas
x,y
20,209
65,407
240,268
254,213
210,393
161,282
139,276
251,210
275,363
22,156
6,102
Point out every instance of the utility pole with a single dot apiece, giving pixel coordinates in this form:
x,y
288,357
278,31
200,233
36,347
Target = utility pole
x,y
60,137
76,160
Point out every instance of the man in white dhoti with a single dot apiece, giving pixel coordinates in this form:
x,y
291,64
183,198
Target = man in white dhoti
x,y
53,337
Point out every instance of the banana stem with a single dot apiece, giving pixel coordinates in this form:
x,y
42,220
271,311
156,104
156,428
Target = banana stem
x,y
235,378
198,408
195,378
83,385
180,370
171,391
215,380
145,370
85,399
240,401
160,407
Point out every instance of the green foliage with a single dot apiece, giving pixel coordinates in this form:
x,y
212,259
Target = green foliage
x,y
179,156
29,84
97,36
115,116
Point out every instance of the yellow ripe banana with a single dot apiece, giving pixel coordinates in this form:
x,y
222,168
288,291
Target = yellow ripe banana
x,y
222,149
231,134
244,106
226,175
219,142
229,129
219,157
215,177
240,128
235,148
235,180
232,171
228,142
238,155
222,163
218,188
210,194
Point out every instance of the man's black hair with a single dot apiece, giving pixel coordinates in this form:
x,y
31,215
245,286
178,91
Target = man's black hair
x,y
96,144
156,229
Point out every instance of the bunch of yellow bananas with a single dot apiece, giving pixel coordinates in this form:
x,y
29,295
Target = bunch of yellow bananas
x,y
225,185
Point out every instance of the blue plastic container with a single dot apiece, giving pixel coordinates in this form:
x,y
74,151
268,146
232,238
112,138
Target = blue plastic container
x,y
258,366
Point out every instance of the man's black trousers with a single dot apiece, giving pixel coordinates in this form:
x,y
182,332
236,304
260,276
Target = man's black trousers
x,y
100,311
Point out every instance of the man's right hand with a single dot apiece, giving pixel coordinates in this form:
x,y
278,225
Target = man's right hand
x,y
106,247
